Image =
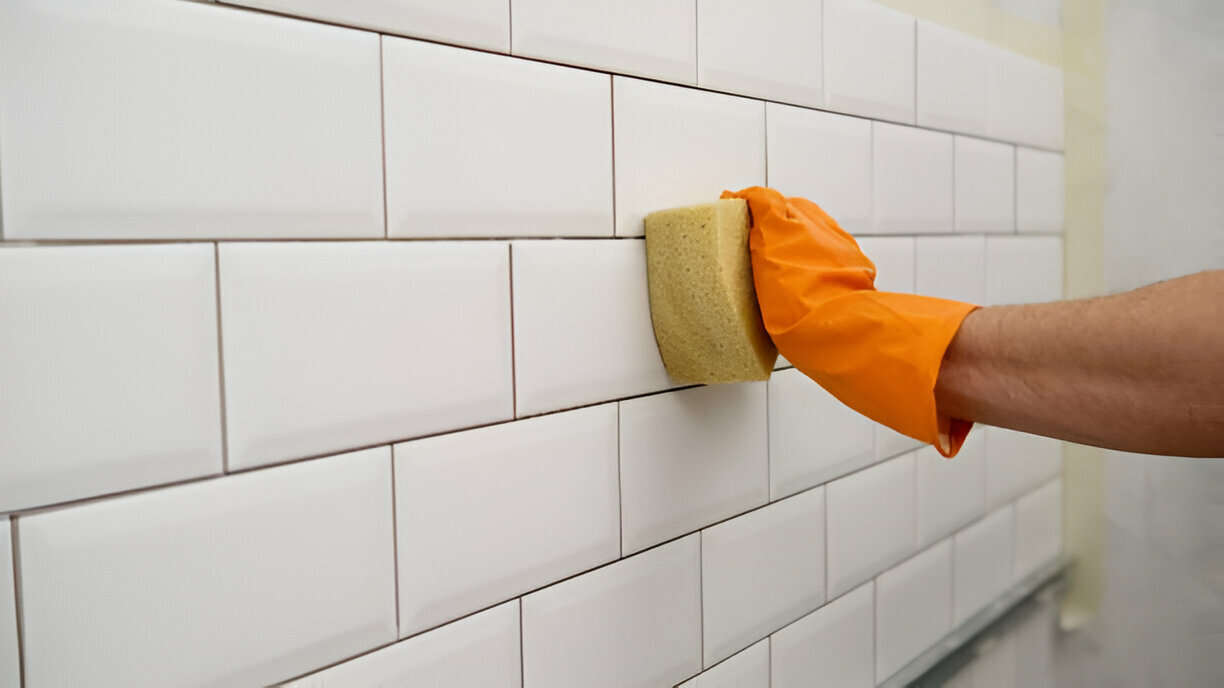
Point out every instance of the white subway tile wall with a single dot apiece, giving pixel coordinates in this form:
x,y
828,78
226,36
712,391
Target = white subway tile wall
x,y
511,490
761,571
690,459
911,180
679,146
833,645
454,559
478,650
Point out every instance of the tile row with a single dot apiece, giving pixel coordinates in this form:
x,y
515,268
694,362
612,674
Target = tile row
x,y
213,123
127,591
847,55
115,377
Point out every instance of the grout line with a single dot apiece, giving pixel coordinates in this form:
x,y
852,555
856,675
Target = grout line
x,y
220,358
395,544
915,72
875,627
382,132
522,651
701,592
18,606
513,351
510,26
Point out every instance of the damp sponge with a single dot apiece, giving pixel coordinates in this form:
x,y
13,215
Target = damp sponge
x,y
706,319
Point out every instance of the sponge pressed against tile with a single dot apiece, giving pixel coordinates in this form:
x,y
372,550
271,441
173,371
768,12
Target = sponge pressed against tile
x,y
702,301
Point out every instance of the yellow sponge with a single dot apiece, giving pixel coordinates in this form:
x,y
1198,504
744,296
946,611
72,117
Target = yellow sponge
x,y
702,302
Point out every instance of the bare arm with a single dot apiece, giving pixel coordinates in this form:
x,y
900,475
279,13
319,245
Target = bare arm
x,y
1141,371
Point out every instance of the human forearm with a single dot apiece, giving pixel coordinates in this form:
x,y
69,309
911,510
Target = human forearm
x,y
1141,371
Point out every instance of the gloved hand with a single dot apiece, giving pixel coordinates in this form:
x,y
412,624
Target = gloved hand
x,y
878,352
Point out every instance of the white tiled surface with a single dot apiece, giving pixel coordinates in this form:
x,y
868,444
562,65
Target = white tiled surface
x,y
489,145
321,354
650,38
479,650
690,458
982,562
779,58
950,492
1017,462
813,437
213,122
831,646
761,571
869,60
10,662
1038,528
1024,269
1026,101
568,640
591,341
454,559
823,157
913,607
679,146
748,669
248,579
870,522
1039,191
954,73
109,371
478,23
985,186
912,180
952,268
894,261
200,121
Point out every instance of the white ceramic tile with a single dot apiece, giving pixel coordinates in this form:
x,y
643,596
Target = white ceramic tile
x,y
982,563
588,631
678,146
650,38
478,23
1039,191
832,646
779,58
476,511
870,522
748,669
526,149
954,72
890,443
912,180
109,368
894,261
813,437
1024,269
869,60
760,571
479,651
985,186
951,492
201,121
1026,101
952,268
582,324
330,346
913,607
823,157
691,458
243,580
1017,462
1038,528
10,663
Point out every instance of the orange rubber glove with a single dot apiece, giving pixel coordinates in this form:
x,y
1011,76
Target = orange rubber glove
x,y
878,352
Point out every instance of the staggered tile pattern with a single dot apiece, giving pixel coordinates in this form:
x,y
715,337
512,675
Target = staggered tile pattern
x,y
300,383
